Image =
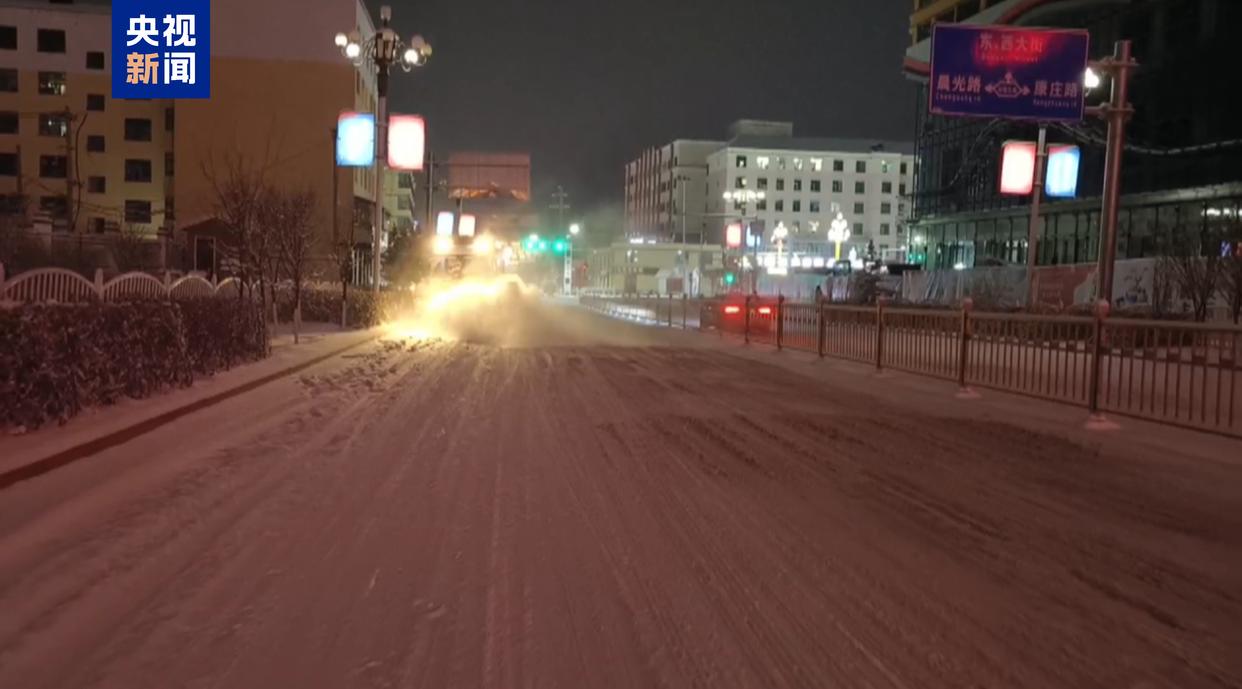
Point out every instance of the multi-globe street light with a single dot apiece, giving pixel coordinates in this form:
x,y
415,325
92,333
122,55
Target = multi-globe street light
x,y
381,51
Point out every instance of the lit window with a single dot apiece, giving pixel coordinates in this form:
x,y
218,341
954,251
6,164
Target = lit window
x,y
780,163
762,162
52,83
53,124
884,167
739,183
817,164
797,162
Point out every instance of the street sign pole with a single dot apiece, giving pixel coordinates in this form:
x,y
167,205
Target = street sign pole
x,y
1033,231
1117,112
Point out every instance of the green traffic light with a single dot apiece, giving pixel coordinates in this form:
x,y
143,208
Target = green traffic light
x,y
730,278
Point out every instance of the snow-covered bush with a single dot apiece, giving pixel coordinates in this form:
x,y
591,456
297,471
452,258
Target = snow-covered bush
x,y
57,359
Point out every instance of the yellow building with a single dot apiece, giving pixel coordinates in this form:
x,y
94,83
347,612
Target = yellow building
x,y
77,156
278,86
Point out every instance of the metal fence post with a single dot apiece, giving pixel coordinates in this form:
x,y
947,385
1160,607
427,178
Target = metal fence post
x,y
879,334
780,321
746,322
1095,419
963,354
685,304
670,309
820,327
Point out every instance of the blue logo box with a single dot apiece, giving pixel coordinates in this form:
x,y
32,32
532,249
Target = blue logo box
x,y
161,48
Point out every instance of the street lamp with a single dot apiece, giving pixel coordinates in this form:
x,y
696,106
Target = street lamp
x,y
575,229
380,51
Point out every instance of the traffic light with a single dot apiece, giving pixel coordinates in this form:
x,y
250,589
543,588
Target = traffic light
x,y
558,247
730,278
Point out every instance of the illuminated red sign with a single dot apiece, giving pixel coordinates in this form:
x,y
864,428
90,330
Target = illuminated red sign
x,y
733,235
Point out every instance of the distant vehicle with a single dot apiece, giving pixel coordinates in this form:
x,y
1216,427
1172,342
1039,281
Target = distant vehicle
x,y
729,316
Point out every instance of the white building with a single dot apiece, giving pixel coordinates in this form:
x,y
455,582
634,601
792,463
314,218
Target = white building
x,y
665,191
807,183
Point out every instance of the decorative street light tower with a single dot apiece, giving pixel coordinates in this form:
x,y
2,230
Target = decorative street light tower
x,y
743,197
838,231
380,51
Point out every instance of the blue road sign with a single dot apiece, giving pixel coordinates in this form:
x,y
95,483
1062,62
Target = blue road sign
x,y
996,71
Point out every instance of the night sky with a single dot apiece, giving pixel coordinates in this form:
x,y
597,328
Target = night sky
x,y
584,86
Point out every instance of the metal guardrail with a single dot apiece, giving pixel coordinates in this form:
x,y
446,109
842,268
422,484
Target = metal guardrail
x,y
64,286
1185,374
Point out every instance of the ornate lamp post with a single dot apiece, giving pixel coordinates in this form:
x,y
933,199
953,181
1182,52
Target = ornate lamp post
x,y
380,51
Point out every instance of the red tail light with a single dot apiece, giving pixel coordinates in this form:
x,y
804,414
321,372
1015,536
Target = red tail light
x,y
731,309
765,310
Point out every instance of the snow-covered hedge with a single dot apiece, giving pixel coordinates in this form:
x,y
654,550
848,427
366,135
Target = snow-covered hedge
x,y
57,359
321,303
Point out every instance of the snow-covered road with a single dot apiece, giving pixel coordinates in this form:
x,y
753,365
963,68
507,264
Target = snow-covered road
x,y
603,505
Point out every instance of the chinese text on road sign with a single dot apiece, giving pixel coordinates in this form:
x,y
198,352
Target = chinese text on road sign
x,y
992,71
161,49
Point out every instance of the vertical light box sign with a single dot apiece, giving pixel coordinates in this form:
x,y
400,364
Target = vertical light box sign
x,y
1062,178
407,141
355,139
444,224
1017,168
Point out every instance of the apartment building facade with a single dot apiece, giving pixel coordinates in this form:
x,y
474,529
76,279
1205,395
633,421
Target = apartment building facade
x,y
665,191
70,156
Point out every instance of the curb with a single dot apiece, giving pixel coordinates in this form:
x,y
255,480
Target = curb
x,y
124,435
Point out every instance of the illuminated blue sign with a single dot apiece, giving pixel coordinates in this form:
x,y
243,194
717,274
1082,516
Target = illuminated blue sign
x,y
161,49
1061,180
997,71
355,139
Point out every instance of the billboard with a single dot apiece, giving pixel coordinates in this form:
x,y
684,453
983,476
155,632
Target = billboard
x,y
476,175
996,71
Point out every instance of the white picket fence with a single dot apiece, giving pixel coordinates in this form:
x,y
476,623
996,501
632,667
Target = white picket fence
x,y
57,285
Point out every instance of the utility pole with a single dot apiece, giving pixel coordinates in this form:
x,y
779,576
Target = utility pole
x,y
1116,112
560,206
431,185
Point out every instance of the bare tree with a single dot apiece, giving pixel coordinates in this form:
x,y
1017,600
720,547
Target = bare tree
x,y
238,189
1194,263
1231,270
295,237
264,246
129,247
1162,287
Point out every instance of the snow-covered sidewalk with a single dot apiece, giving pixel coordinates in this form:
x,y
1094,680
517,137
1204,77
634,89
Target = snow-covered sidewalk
x,y
318,341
